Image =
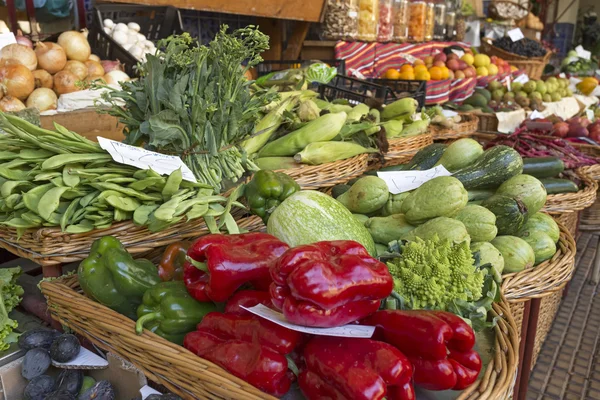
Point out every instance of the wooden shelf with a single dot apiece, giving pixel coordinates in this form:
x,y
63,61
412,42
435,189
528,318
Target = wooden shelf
x,y
300,10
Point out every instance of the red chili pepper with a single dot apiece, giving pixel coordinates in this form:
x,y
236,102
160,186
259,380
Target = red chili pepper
x,y
258,365
249,328
247,298
355,369
230,262
438,343
328,284
172,262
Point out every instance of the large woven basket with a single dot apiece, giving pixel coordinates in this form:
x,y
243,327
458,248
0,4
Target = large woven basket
x,y
314,177
548,309
51,246
401,150
570,202
533,66
466,127
486,122
192,377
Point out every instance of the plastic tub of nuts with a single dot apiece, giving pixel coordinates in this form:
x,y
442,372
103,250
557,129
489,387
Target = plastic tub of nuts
x,y
341,20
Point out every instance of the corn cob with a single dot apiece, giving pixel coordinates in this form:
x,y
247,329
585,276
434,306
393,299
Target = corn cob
x,y
325,152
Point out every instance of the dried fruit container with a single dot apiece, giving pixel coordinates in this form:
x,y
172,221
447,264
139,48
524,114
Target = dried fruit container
x,y
429,21
368,17
341,20
385,28
400,20
417,11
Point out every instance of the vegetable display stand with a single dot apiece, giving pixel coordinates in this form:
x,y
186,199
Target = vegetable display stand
x,y
51,247
314,177
192,377
466,127
401,150
533,66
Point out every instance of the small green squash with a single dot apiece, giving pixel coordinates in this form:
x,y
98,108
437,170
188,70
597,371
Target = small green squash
x,y
543,246
443,196
367,195
479,221
386,229
461,154
510,213
394,204
495,166
517,253
488,254
443,227
526,188
543,223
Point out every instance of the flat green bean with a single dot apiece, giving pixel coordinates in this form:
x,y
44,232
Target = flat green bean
x,y
19,223
154,182
13,174
196,211
172,184
13,200
49,202
46,176
83,227
61,160
8,155
121,215
32,218
142,214
8,187
35,154
129,192
32,197
123,203
65,219
68,179
89,198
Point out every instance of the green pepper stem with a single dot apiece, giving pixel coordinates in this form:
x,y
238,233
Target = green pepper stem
x,y
292,366
200,265
139,325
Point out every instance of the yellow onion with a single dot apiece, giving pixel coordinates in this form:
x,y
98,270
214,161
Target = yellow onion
x,y
77,68
64,82
20,53
9,103
94,68
76,45
43,99
42,79
17,80
51,57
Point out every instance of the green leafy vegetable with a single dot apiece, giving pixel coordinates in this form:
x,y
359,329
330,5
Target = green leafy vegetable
x,y
10,297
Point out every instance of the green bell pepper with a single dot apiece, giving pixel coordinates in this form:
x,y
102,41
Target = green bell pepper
x,y
113,278
169,311
267,190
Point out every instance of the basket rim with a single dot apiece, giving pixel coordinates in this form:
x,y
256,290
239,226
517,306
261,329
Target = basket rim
x,y
467,126
513,57
497,381
546,278
570,202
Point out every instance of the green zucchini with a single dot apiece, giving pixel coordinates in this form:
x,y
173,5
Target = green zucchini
x,y
495,166
510,213
426,158
543,167
557,185
338,190
479,194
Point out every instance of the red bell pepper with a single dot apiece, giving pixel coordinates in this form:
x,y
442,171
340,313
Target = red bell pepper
x,y
328,284
226,262
249,328
355,369
439,345
258,365
247,298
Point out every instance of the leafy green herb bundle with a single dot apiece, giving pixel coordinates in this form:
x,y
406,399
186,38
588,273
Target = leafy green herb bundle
x,y
194,101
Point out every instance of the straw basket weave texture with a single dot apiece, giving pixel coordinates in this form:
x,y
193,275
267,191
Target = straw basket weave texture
x,y
192,377
546,278
569,219
51,246
466,127
486,122
548,309
533,66
314,177
401,150
569,202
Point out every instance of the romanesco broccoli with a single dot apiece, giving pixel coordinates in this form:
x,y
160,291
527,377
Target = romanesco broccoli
x,y
431,274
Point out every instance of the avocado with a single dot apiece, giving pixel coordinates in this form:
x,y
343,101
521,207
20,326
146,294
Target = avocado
x,y
477,100
485,93
465,107
487,109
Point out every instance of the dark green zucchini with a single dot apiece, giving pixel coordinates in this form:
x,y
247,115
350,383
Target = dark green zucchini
x,y
543,167
426,158
495,166
339,190
479,194
510,213
557,185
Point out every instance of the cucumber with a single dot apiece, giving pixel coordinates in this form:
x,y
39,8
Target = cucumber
x,y
543,167
495,166
557,185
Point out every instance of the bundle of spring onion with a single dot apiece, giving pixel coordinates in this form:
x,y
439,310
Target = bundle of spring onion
x,y
59,178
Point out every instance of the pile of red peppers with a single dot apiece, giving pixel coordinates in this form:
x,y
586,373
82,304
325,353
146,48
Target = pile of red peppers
x,y
326,284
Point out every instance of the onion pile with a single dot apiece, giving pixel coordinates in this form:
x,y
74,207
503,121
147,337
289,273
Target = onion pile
x,y
39,77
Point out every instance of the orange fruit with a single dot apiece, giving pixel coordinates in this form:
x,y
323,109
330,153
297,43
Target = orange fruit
x,y
391,74
445,73
407,75
406,67
423,76
420,68
436,73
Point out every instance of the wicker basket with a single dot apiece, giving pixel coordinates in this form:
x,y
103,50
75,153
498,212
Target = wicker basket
x,y
569,219
533,66
569,202
486,122
546,278
401,150
192,377
314,177
51,246
548,309
467,126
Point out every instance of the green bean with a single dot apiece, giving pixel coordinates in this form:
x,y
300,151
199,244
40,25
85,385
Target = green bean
x,y
196,211
142,214
105,177
127,191
49,202
172,184
7,187
13,174
58,181
214,210
211,224
8,155
95,217
155,225
106,213
79,215
32,218
155,182
103,224
45,176
65,219
63,159
83,227
35,154
32,197
122,215
72,194
122,179
19,223
15,163
68,179
123,203
13,200
231,225
87,199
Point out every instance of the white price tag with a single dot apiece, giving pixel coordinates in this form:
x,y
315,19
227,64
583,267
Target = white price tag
x,y
515,34
145,159
147,391
523,78
6,39
583,53
84,360
405,181
589,114
449,113
357,331
536,115
562,75
507,81
459,53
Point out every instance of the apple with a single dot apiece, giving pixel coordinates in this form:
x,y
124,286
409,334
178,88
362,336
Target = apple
x,y
440,57
452,56
459,74
451,74
439,63
469,73
462,65
453,64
